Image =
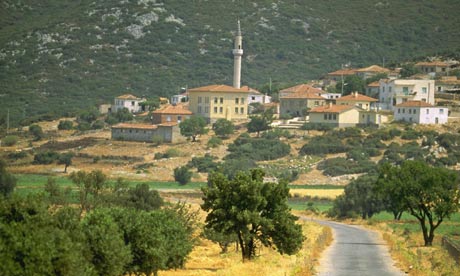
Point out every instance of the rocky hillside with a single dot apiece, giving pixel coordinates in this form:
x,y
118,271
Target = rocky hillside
x,y
57,56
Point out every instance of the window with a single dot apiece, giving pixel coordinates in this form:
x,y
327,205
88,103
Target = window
x,y
199,99
399,110
215,109
427,111
179,118
441,111
330,116
404,110
383,89
242,100
253,98
410,111
325,116
405,90
168,118
221,100
206,100
242,110
221,109
199,109
236,100
423,100
424,90
215,100
133,103
236,110
206,109
389,89
334,116
316,103
415,111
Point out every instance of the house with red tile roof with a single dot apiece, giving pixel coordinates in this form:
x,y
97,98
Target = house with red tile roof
x,y
167,132
372,89
128,101
297,100
433,67
171,113
356,99
420,112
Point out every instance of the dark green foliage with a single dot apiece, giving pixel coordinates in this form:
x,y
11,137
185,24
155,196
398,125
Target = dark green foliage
x,y
192,127
323,145
223,240
98,124
257,149
66,160
36,132
109,253
172,152
142,198
9,141
260,122
89,116
339,166
203,164
410,134
214,142
90,186
182,175
317,126
276,134
7,180
223,127
351,83
427,193
46,157
394,132
253,210
231,167
376,78
65,125
122,115
408,70
360,198
17,155
348,132
56,194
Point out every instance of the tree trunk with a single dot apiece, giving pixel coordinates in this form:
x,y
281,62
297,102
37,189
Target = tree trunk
x,y
65,168
193,138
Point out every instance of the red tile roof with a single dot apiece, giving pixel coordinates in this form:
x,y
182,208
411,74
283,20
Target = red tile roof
x,y
374,69
301,91
357,97
374,84
432,63
173,109
331,108
128,97
302,88
342,72
220,88
415,104
135,126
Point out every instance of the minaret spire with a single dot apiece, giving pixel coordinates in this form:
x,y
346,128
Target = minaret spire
x,y
237,54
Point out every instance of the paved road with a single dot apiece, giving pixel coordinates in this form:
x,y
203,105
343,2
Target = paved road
x,y
355,251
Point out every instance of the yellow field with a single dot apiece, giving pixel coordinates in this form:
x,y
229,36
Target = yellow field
x,y
207,260
326,193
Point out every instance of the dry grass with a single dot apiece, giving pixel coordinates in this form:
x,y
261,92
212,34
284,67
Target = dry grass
x,y
321,193
207,260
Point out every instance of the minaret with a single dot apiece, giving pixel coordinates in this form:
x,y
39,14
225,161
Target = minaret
x,y
237,53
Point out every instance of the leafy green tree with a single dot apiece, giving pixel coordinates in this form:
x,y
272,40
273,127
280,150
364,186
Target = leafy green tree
x,y
7,180
182,175
66,160
46,157
429,194
223,127
142,197
56,194
65,125
36,131
122,115
90,185
352,83
260,122
223,240
109,253
408,70
253,210
192,127
90,115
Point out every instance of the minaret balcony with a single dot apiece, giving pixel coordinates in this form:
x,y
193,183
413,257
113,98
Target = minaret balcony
x,y
237,52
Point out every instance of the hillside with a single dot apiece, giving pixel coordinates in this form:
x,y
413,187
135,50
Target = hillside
x,y
57,56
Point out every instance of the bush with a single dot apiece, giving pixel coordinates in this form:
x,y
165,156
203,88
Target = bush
x,y
10,140
394,132
317,126
276,134
46,157
214,142
36,131
157,140
182,175
411,134
257,149
203,164
324,145
340,166
17,155
84,126
98,124
65,125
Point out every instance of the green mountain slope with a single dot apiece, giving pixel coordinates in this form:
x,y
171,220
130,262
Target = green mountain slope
x,y
62,55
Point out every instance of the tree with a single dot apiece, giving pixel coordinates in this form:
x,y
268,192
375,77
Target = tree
x,y
192,127
65,125
223,127
427,193
260,122
7,180
408,70
109,253
90,186
36,131
182,175
352,83
252,210
142,198
66,160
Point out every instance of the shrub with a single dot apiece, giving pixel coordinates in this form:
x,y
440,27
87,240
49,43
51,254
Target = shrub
x,y
98,124
323,145
257,149
157,140
394,132
17,155
340,166
411,134
84,126
172,152
276,134
317,126
10,140
214,142
182,175
203,164
46,157
65,125
36,131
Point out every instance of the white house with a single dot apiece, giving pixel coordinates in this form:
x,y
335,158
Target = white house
x,y
179,98
420,112
257,97
128,101
396,91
